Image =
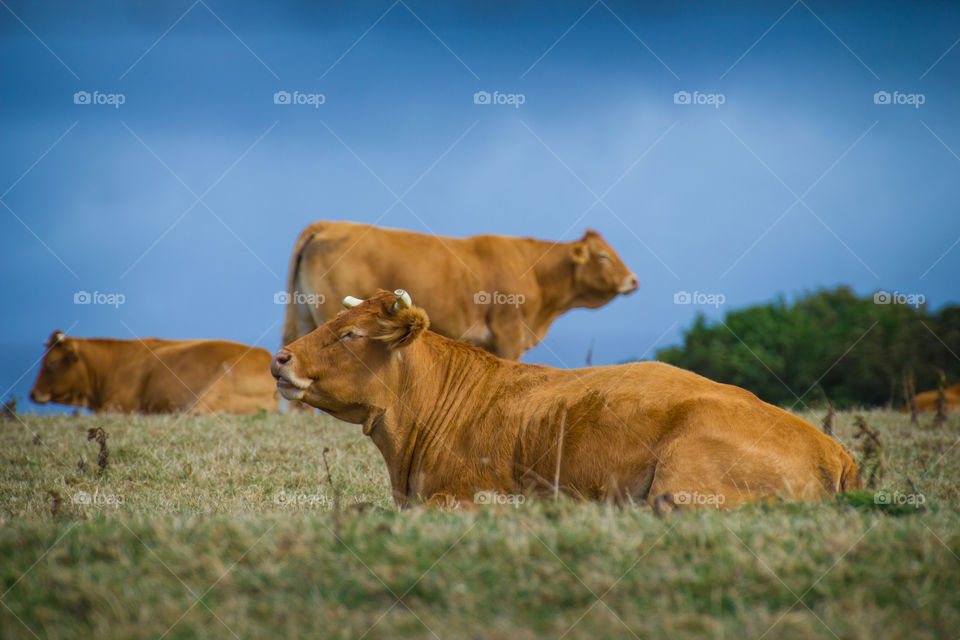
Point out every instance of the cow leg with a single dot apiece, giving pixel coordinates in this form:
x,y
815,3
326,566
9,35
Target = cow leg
x,y
685,477
508,331
449,502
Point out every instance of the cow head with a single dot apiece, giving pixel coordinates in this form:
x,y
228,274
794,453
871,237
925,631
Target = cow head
x,y
599,274
346,367
63,376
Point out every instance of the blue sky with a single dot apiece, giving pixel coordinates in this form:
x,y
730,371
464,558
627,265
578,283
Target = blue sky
x,y
187,198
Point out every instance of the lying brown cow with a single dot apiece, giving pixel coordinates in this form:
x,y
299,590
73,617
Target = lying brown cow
x,y
452,420
927,400
496,292
155,376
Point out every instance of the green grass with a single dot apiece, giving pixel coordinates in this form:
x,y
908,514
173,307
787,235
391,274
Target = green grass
x,y
215,527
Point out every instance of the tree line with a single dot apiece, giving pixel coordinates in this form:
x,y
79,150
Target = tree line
x,y
829,344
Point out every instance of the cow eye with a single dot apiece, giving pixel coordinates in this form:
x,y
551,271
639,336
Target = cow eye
x,y
348,335
602,257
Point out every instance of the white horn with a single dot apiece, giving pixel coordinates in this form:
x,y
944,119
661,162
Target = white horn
x,y
350,302
403,300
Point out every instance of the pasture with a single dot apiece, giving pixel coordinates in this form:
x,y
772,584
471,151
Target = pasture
x,y
230,527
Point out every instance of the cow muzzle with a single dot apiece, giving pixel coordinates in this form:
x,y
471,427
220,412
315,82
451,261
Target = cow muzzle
x,y
629,285
289,384
38,397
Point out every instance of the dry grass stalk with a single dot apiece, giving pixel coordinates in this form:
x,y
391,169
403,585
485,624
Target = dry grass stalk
x,y
911,393
98,434
871,448
941,415
828,419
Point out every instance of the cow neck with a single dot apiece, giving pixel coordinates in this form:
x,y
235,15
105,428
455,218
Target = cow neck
x,y
442,384
554,274
92,397
99,355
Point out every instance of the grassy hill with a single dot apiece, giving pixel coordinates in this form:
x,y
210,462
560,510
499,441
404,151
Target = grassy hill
x,y
228,527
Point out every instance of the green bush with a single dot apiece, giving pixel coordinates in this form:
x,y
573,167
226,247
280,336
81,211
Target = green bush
x,y
853,350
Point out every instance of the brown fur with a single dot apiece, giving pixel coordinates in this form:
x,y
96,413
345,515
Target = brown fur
x,y
155,376
337,259
927,401
452,420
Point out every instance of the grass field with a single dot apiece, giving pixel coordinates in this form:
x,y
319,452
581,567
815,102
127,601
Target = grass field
x,y
228,527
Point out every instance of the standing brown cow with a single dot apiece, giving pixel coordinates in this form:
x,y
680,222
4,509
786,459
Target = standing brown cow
x,y
452,420
496,292
155,376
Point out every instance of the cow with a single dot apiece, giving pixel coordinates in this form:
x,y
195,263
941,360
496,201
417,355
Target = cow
x,y
453,421
496,292
927,400
155,376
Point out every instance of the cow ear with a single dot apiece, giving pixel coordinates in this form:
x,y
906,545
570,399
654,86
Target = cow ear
x,y
402,327
579,253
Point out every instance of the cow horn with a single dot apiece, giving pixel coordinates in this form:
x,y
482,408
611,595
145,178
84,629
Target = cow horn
x,y
350,302
403,300
59,336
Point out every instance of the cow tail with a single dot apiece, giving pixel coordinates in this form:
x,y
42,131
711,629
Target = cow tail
x,y
850,474
290,317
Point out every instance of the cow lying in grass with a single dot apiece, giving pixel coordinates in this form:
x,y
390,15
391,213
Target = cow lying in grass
x,y
452,420
155,376
927,400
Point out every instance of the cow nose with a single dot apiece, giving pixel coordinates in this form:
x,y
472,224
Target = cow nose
x,y
630,284
282,358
